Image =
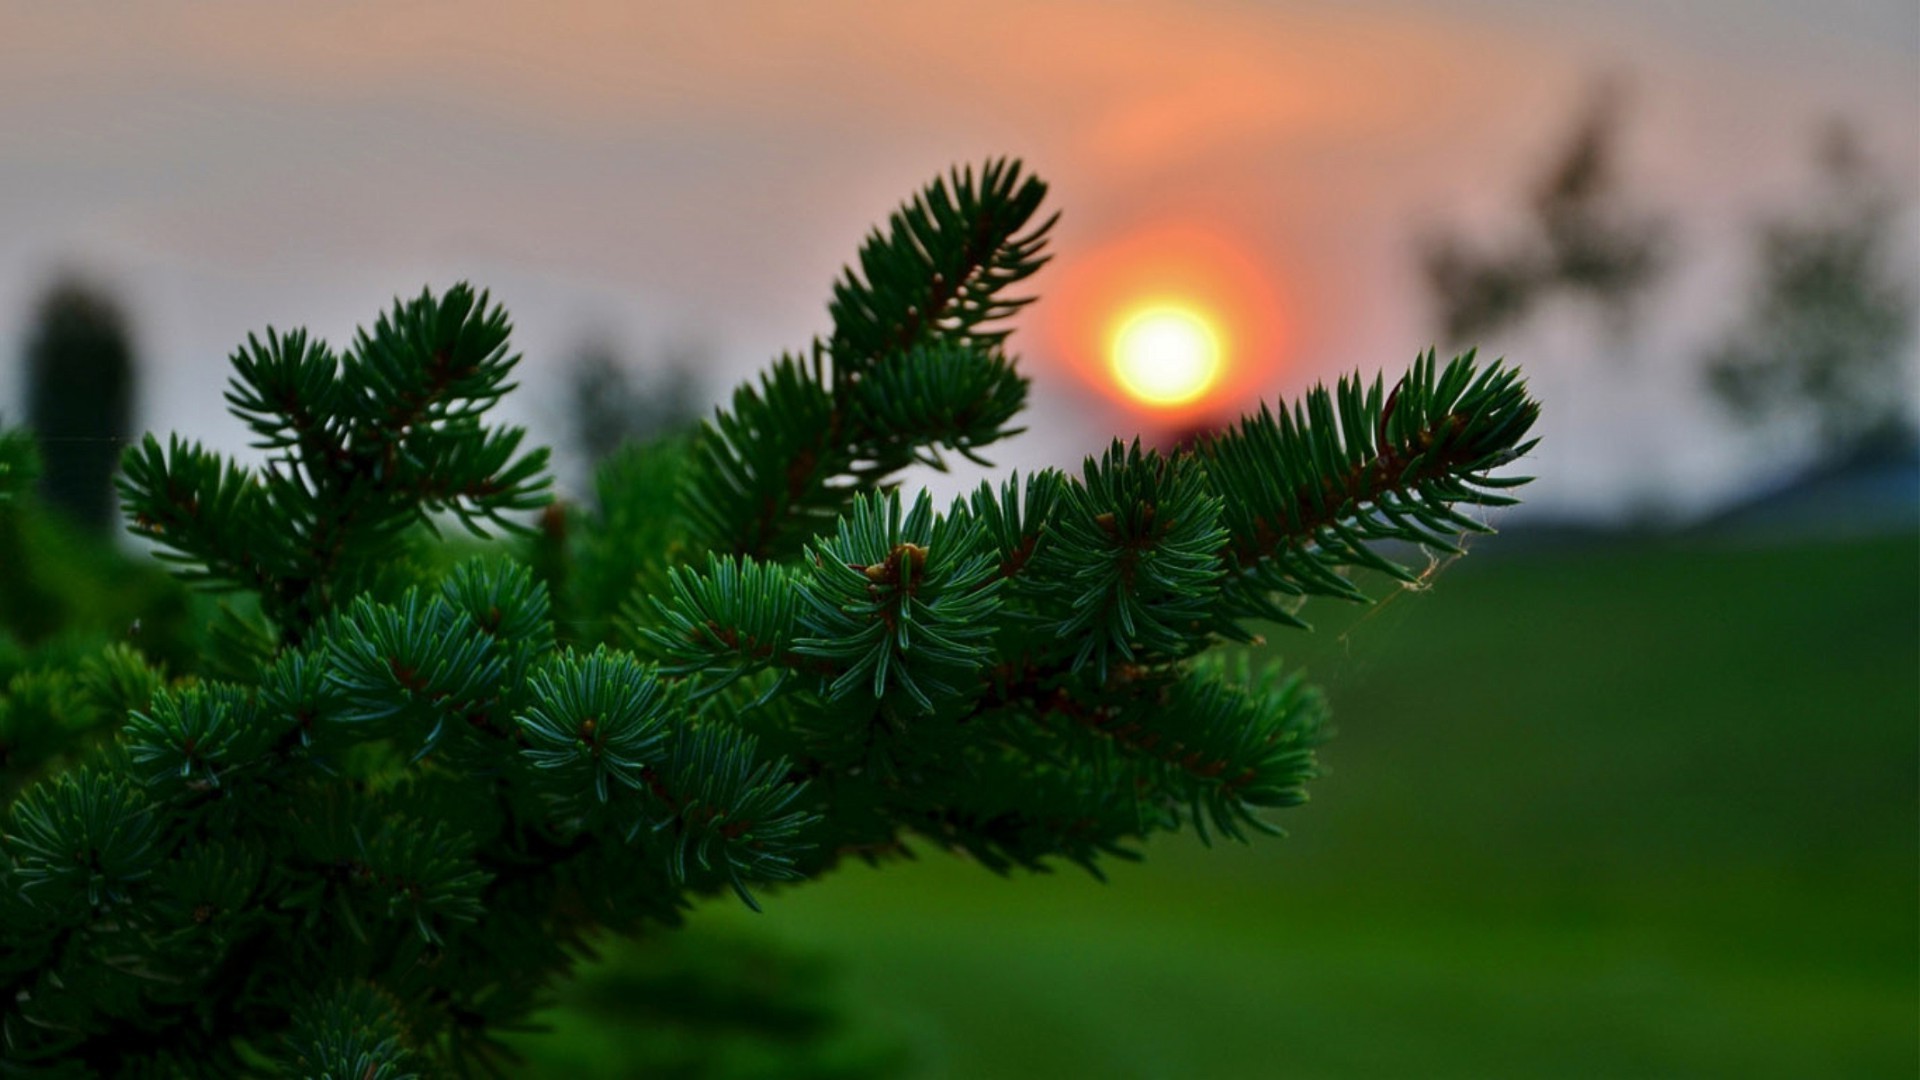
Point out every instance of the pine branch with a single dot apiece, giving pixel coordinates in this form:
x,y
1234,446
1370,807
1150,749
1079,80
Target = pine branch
x,y
1134,561
1306,492
914,365
761,473
365,446
360,841
945,395
736,618
1015,517
1229,747
900,603
939,272
354,1030
608,727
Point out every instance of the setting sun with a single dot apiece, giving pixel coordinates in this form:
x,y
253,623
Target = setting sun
x,y
1167,354
1178,324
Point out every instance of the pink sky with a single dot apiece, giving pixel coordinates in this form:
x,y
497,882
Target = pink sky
x,y
667,177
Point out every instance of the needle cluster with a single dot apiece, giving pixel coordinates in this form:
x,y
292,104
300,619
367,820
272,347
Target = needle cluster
x,y
414,794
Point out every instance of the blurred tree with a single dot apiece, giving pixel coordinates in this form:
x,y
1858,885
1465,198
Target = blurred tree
x,y
706,1004
612,406
67,598
1823,341
19,464
80,385
1581,238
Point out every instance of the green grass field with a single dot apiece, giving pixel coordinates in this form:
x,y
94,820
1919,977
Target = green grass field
x,y
1630,812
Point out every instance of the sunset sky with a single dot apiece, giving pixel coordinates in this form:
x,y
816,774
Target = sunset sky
x,y
673,180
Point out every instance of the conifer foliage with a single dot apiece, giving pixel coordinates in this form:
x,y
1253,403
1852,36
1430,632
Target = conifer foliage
x,y
408,805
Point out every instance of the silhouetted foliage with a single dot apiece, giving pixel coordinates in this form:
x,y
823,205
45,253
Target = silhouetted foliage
x,y
1823,340
1581,238
80,385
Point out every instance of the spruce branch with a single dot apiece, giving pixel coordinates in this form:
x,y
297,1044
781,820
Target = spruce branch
x,y
899,602
1308,490
1229,746
81,842
762,471
1015,517
362,839
608,727
914,366
362,447
204,513
732,810
735,618
1018,814
413,665
956,396
196,737
351,1031
940,270
595,722
1134,565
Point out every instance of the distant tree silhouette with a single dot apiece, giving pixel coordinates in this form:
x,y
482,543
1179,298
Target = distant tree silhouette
x,y
1581,238
80,385
611,405
1824,339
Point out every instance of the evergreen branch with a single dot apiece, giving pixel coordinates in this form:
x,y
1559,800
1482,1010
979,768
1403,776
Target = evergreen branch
x,y
205,896
595,722
502,600
119,680
1231,746
941,395
430,361
476,477
367,848
193,738
760,479
203,512
730,810
1016,812
736,618
284,390
899,603
426,872
368,445
916,366
353,1031
608,725
1017,516
938,272
1134,563
1307,490
414,664
298,687
80,842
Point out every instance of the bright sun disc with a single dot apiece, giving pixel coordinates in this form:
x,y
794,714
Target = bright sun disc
x,y
1166,355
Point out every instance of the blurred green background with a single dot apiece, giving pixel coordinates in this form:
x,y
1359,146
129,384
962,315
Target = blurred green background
x,y
1645,808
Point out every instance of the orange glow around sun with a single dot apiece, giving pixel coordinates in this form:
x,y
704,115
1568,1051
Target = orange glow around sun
x,y
1178,322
